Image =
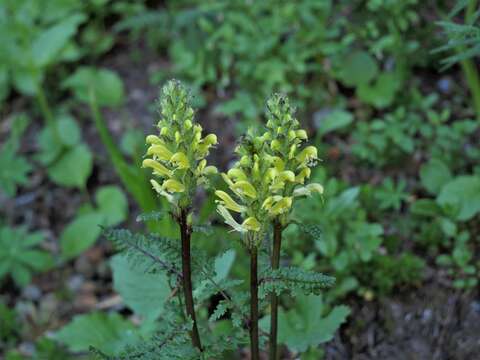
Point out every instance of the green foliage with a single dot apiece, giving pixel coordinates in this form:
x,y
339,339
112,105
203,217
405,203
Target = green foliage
x,y
111,209
295,280
14,167
143,292
109,333
20,255
309,323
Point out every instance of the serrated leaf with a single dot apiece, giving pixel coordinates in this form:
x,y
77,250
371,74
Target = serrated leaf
x,y
144,293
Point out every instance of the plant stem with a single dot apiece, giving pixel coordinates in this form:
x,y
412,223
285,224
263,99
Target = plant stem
x,y
277,242
47,113
254,348
185,233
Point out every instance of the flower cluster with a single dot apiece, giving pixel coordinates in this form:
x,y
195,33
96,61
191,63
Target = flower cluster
x,y
286,140
271,172
177,154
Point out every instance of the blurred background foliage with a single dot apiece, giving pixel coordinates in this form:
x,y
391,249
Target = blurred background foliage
x,y
390,93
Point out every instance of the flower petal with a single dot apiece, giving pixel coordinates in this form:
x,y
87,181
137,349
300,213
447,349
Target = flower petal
x,y
229,202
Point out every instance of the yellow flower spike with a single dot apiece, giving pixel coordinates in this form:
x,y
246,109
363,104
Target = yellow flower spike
x,y
164,131
210,170
281,206
210,139
291,135
222,210
301,134
275,145
236,174
287,176
227,179
229,202
153,139
315,187
180,160
304,174
160,151
252,224
156,186
291,153
267,204
201,165
173,186
245,188
278,163
245,161
178,137
310,152
157,167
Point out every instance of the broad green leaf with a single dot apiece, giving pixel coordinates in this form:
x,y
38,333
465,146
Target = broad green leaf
x,y
51,41
80,234
112,203
105,85
13,169
73,168
358,68
144,293
434,175
382,92
68,130
463,194
109,333
335,120
426,207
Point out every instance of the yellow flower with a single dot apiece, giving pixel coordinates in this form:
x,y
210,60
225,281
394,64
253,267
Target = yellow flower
x,y
252,224
160,151
315,187
245,188
302,175
153,139
301,134
180,160
310,152
157,167
229,202
173,186
281,206
222,210
236,174
210,139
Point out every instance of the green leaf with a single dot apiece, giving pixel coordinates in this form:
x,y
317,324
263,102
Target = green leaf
x,y
306,324
50,42
80,234
68,130
73,168
104,84
434,175
463,194
382,92
358,68
335,120
19,255
113,204
425,207
109,333
13,169
144,293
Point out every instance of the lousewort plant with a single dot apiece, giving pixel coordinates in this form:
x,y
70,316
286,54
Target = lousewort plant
x,y
269,175
177,157
293,160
